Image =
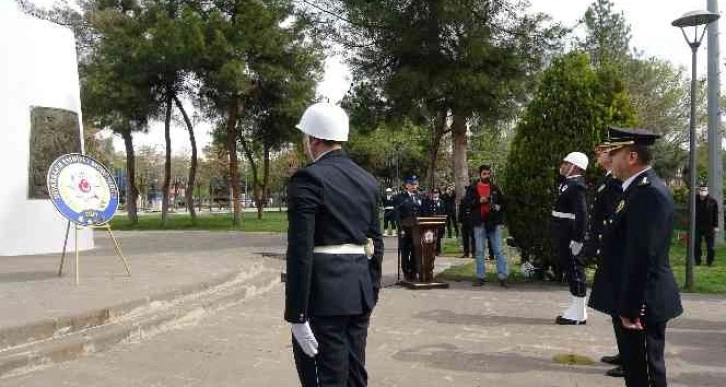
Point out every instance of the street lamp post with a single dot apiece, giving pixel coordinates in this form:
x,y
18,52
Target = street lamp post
x,y
693,19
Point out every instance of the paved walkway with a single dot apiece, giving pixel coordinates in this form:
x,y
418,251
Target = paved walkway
x,y
162,263
462,336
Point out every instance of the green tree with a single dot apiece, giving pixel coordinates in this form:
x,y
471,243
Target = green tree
x,y
443,63
657,90
608,35
571,110
287,67
114,93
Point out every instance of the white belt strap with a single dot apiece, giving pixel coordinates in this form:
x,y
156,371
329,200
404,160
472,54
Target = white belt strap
x,y
563,215
387,208
347,248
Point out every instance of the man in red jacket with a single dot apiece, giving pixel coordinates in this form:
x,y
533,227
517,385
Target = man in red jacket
x,y
487,217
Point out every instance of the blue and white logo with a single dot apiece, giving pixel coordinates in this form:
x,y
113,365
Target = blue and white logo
x,y
82,189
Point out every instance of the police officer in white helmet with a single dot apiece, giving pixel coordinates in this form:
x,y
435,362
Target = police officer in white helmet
x,y
334,255
568,226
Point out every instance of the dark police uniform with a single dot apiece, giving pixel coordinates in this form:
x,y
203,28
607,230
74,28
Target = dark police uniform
x,y
467,229
706,222
389,213
603,207
449,199
332,203
569,223
607,197
408,207
640,237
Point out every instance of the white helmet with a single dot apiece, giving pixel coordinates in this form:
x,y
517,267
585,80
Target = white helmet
x,y
578,159
389,189
325,121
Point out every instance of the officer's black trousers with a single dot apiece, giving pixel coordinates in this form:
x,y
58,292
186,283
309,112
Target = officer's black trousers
x,y
408,255
573,267
451,223
618,329
341,352
710,253
642,354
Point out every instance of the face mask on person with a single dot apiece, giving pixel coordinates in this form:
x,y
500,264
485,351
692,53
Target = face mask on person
x,y
308,150
703,193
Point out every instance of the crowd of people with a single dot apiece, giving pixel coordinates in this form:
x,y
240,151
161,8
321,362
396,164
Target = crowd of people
x,y
478,218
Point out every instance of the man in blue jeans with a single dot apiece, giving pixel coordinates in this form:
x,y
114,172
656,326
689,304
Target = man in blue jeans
x,y
487,217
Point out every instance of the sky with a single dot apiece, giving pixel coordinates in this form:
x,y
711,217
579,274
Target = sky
x,y
651,30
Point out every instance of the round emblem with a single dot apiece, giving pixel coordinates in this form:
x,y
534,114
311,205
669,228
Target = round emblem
x,y
82,189
428,237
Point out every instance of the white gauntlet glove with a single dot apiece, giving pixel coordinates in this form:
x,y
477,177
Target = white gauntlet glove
x,y
305,338
575,247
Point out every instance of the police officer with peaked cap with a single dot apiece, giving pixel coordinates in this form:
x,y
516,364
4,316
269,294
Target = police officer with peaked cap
x,y
603,206
644,290
408,207
569,225
333,272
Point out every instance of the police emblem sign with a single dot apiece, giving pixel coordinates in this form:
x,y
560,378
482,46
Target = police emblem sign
x,y
82,189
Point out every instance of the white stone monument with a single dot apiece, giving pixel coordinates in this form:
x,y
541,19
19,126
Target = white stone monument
x,y
40,119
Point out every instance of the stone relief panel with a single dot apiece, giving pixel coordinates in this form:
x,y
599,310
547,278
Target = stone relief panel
x,y
53,132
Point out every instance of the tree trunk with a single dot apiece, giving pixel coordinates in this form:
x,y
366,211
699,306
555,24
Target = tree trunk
x,y
253,165
132,192
189,193
460,145
233,168
167,161
437,132
265,182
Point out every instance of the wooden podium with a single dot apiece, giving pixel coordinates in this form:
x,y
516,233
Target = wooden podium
x,y
425,234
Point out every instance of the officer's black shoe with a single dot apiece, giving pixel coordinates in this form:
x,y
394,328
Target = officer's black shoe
x,y
614,360
566,321
503,283
478,282
617,372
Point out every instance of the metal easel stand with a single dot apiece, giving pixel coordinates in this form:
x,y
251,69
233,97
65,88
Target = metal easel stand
x,y
75,236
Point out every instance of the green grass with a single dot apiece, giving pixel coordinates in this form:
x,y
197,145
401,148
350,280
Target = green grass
x,y
708,280
271,222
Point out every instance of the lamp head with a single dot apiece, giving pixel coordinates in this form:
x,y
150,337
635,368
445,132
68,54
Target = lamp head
x,y
695,18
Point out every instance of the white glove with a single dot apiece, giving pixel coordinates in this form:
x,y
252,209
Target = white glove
x,y
305,338
575,247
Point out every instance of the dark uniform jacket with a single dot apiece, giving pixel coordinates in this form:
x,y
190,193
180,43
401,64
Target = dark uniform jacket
x,y
639,242
449,203
331,202
570,204
606,199
464,211
433,207
706,213
408,207
496,217
388,203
